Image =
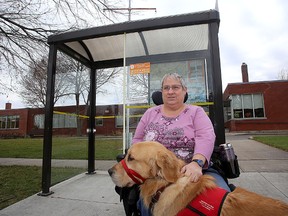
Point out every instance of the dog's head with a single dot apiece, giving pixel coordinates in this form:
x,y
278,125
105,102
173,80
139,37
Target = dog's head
x,y
148,160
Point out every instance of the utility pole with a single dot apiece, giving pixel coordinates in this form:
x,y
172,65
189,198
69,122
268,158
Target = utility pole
x,y
130,9
126,136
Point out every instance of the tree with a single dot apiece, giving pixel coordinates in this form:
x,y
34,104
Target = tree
x,y
283,74
72,79
34,82
79,80
138,86
25,25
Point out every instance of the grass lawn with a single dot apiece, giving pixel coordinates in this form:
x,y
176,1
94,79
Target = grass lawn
x,y
62,148
278,141
19,182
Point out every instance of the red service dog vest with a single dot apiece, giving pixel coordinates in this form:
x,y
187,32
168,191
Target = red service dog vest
x,y
208,203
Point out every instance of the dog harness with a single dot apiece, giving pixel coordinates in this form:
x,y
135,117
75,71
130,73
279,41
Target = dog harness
x,y
208,203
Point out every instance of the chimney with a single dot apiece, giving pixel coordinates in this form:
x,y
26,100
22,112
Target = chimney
x,y
244,70
8,106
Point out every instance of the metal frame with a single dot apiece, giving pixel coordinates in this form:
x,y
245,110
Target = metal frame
x,y
57,42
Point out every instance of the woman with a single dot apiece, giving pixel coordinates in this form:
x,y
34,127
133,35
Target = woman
x,y
184,129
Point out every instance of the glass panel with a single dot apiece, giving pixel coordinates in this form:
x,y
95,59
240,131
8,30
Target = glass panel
x,y
77,46
178,39
70,121
119,121
2,122
258,101
60,121
111,47
134,45
193,72
56,121
14,121
247,102
196,81
8,122
258,105
248,106
134,121
138,88
236,102
192,68
237,106
39,121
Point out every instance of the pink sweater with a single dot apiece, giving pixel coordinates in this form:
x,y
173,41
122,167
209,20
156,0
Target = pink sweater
x,y
189,133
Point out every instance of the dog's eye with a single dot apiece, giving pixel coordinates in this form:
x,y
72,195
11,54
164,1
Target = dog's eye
x,y
130,158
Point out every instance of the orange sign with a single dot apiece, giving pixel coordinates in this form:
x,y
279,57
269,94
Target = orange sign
x,y
141,68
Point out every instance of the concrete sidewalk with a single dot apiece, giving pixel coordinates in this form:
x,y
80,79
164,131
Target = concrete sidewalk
x,y
99,164
264,170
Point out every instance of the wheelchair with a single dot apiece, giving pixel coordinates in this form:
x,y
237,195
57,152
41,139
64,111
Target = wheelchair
x,y
223,159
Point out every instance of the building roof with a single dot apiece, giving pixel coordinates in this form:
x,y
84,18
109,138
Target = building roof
x,y
256,82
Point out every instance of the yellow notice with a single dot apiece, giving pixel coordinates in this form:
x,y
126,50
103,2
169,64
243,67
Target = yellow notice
x,y
141,68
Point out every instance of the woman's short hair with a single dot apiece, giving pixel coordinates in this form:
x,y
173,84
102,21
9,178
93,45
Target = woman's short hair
x,y
174,76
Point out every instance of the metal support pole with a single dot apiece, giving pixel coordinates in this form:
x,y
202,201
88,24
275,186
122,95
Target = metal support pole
x,y
91,123
217,85
124,94
47,142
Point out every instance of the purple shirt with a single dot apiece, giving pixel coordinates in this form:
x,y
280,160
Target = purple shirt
x,y
191,132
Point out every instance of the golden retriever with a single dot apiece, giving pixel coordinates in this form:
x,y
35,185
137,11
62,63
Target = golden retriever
x,y
157,170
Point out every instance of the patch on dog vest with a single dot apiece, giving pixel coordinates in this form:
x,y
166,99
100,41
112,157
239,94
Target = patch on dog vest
x,y
208,203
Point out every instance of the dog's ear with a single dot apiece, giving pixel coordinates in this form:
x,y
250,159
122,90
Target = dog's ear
x,y
169,166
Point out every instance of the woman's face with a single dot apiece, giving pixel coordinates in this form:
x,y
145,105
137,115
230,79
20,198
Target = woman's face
x,y
173,92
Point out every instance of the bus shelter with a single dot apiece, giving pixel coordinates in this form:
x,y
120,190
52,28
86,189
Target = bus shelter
x,y
146,49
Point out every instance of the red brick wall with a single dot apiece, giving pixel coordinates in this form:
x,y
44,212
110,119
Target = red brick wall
x,y
23,117
26,122
275,95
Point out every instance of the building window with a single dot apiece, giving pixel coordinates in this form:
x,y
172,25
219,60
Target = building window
x,y
9,122
64,121
247,106
119,121
99,122
59,121
39,121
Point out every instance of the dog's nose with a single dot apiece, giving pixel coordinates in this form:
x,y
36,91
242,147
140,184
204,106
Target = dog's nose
x,y
110,171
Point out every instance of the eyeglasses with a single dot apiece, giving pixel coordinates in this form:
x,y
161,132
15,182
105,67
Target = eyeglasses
x,y
173,87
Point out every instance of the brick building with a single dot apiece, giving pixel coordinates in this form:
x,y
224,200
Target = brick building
x,y
256,106
30,121
248,106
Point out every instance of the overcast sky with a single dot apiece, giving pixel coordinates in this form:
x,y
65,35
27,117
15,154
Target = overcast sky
x,y
251,31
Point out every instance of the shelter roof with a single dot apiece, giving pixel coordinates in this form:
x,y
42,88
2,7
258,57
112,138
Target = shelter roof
x,y
107,46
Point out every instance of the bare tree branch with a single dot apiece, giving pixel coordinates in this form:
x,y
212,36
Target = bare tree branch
x,y
138,86
34,83
26,24
283,74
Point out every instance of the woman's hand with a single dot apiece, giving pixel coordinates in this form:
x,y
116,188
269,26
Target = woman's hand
x,y
192,170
